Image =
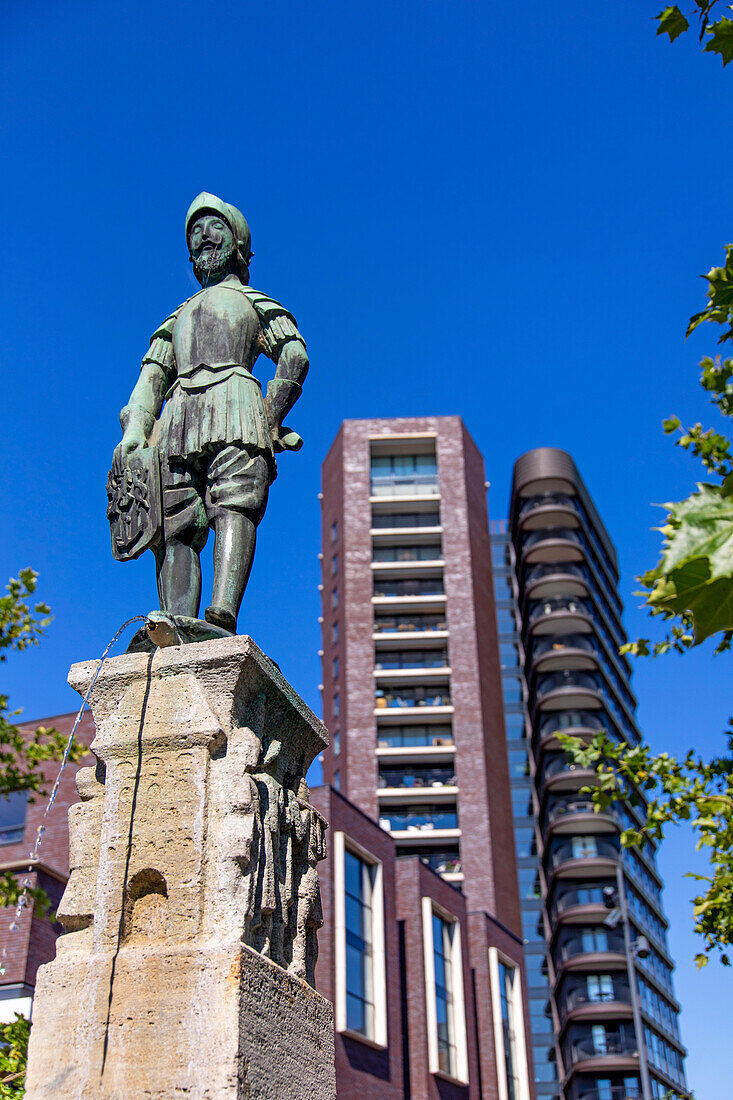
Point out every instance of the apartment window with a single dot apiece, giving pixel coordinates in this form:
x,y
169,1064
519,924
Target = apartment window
x,y
600,987
334,565
511,1059
515,727
405,519
335,633
584,847
335,668
408,624
12,816
594,940
512,689
529,882
360,970
423,552
404,474
521,801
506,995
506,622
336,743
509,654
334,531
413,736
336,705
518,763
525,841
444,986
337,780
335,598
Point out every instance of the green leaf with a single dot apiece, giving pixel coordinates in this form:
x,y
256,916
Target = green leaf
x,y
721,39
672,22
695,574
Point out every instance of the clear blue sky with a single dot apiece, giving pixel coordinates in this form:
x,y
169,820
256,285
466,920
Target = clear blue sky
x,y
493,210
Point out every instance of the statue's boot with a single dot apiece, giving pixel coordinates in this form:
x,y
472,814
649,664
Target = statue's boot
x,y
234,549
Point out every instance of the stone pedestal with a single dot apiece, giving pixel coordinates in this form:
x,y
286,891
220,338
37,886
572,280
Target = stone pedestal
x,y
192,908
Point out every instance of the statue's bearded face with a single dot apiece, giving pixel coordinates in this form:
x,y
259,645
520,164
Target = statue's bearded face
x,y
211,244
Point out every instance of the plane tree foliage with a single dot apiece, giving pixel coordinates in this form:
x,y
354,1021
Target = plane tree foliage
x,y
691,591
714,30
23,754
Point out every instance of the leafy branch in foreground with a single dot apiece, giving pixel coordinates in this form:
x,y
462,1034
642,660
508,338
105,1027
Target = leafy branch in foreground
x,y
669,791
13,1057
716,33
23,751
693,580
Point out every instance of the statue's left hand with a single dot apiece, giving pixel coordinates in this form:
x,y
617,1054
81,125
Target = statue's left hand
x,y
130,442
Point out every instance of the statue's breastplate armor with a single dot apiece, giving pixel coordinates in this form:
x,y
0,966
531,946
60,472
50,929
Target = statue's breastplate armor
x,y
217,328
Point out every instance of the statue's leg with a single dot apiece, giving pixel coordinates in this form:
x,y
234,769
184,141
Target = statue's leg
x,y
234,549
236,495
185,531
179,579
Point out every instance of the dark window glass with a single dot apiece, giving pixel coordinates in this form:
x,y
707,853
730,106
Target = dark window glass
x,y
508,1024
443,932
405,519
12,816
358,931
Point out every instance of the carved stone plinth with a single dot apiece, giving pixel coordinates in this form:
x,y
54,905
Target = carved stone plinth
x,y
193,906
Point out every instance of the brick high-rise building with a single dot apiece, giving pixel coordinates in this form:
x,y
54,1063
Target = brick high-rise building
x,y
413,700
445,684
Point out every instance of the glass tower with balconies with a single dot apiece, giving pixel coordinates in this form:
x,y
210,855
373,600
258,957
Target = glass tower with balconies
x,y
603,1014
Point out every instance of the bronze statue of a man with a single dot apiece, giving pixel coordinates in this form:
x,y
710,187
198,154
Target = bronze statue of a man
x,y
198,406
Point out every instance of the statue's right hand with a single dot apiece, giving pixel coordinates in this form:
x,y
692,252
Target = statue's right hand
x,y
129,443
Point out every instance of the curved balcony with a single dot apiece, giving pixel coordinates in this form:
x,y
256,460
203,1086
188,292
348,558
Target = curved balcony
x,y
558,774
556,579
560,615
553,653
586,856
577,723
558,544
613,1092
580,904
594,950
568,690
548,510
591,998
578,816
612,1052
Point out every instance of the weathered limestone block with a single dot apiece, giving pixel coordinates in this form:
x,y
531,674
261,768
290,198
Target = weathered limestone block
x,y
192,907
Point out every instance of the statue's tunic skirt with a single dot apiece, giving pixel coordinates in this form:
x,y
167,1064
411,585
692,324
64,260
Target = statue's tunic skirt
x,y
200,419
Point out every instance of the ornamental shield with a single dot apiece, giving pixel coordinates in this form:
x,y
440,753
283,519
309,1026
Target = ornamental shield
x,y
134,509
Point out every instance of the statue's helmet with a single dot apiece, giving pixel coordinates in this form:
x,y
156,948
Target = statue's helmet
x,y
235,219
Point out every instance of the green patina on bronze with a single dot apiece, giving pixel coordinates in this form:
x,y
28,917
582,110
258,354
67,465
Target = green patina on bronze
x,y
199,438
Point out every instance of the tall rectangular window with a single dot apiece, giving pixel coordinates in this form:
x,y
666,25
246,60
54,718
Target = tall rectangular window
x,y
507,976
358,925
444,988
444,1006
509,1038
361,995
